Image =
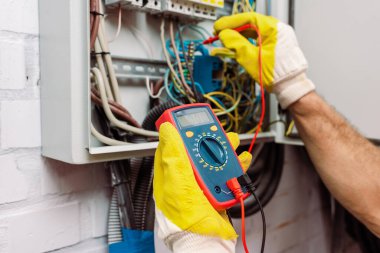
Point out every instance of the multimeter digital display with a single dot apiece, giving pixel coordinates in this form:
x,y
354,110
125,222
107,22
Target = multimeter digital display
x,y
211,155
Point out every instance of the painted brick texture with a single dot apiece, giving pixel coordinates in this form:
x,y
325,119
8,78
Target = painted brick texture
x,y
45,205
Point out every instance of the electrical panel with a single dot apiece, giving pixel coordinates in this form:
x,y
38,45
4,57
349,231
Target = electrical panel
x,y
193,9
71,128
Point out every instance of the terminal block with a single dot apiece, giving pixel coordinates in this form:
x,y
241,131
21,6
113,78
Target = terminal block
x,y
153,6
212,3
177,7
204,12
193,9
126,4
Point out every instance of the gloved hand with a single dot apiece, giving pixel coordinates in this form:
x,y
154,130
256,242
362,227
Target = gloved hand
x,y
187,222
284,64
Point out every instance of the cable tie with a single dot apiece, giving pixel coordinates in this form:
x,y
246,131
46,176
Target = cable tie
x,y
100,53
246,182
95,13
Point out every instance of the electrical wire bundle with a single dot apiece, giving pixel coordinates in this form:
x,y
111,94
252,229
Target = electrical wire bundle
x,y
239,105
132,206
105,90
180,73
243,6
236,103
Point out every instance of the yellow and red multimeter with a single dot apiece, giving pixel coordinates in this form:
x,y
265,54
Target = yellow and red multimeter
x,y
211,155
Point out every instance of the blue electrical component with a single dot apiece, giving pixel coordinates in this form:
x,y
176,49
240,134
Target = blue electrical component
x,y
134,241
206,70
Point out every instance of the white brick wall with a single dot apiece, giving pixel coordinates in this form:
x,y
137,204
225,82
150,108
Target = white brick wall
x,y
47,205
13,184
12,60
22,119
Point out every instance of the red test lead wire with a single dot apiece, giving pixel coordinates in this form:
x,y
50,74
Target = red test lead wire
x,y
238,29
234,185
243,237
259,43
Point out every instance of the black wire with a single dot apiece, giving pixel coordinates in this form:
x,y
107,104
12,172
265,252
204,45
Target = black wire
x,y
263,219
187,64
246,182
265,173
95,13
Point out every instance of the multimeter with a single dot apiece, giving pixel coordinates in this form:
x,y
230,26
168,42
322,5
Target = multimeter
x,y
209,150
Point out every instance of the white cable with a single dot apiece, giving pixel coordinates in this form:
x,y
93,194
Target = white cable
x,y
187,88
108,112
174,74
118,26
101,10
108,60
149,88
102,68
106,140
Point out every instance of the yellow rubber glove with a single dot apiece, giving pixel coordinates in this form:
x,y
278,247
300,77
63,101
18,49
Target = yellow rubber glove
x,y
284,64
187,221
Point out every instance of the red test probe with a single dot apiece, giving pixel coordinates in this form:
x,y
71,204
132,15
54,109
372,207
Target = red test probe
x,y
238,29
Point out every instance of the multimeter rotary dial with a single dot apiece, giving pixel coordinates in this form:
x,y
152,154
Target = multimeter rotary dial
x,y
212,151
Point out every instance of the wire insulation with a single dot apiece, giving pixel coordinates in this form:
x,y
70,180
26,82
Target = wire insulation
x,y
243,236
259,42
246,182
179,64
119,21
108,111
263,221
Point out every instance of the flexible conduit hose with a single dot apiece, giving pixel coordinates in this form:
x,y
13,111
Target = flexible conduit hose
x,y
153,115
143,193
140,178
114,224
265,172
121,183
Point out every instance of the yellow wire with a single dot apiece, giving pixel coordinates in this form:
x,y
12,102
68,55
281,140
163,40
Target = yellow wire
x,y
235,7
233,118
208,96
249,7
252,130
220,93
179,87
290,128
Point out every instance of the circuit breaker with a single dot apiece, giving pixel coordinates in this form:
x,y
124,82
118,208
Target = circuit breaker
x,y
193,9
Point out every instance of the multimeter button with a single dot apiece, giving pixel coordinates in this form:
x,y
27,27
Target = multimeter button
x,y
189,134
214,128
